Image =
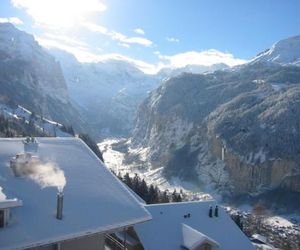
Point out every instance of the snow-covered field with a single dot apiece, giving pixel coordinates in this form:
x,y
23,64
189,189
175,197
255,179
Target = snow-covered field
x,y
115,160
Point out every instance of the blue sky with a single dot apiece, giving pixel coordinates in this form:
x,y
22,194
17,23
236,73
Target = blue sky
x,y
157,33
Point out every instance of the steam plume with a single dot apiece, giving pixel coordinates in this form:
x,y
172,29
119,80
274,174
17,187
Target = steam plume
x,y
49,175
45,174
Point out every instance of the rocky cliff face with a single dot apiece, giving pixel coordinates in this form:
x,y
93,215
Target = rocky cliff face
x,y
238,128
32,78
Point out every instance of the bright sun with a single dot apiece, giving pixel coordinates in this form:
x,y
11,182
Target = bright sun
x,y
60,13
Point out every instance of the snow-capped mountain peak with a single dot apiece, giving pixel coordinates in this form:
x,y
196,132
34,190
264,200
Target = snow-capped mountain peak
x,y
286,51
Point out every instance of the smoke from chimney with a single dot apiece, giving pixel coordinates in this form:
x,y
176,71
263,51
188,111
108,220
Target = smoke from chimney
x,y
48,175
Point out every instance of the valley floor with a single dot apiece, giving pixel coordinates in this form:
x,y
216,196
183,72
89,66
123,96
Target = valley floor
x,y
115,160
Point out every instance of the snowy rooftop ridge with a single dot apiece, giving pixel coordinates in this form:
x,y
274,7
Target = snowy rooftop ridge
x,y
95,201
193,238
167,220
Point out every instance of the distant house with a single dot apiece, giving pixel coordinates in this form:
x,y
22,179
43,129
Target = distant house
x,y
190,226
260,242
56,194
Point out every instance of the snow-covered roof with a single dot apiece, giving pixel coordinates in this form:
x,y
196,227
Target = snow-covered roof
x,y
94,200
166,226
10,203
260,238
193,238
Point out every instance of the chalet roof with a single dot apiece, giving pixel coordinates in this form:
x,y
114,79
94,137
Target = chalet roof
x,y
95,200
166,225
260,238
193,238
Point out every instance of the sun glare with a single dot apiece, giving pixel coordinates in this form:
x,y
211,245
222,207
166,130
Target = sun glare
x,y
60,13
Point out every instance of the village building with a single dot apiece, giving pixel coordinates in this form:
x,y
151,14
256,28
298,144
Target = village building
x,y
56,194
191,226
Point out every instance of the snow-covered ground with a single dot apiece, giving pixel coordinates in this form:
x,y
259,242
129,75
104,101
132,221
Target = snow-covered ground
x,y
52,128
278,221
115,160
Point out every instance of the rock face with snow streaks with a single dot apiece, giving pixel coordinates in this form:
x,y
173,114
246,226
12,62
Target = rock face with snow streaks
x,y
30,77
236,128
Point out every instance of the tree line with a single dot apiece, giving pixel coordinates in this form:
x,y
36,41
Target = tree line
x,y
11,127
149,193
17,128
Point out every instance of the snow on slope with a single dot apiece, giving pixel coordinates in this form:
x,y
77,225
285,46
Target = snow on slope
x,y
51,128
286,51
19,47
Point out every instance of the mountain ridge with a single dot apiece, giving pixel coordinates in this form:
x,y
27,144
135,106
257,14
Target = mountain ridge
x,y
236,128
30,77
286,51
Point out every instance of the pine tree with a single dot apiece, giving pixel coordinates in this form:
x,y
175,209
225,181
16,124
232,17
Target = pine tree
x,y
127,180
143,191
136,183
178,198
164,197
71,131
153,195
120,176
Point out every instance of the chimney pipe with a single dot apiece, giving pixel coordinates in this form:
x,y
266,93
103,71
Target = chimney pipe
x,y
60,203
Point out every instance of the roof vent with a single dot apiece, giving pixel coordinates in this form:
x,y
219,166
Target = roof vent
x,y
30,144
210,213
24,164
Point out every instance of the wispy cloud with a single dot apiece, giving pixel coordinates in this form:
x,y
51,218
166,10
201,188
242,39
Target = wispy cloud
x,y
13,20
157,53
72,41
130,40
122,39
81,52
85,54
172,39
207,58
95,27
58,17
139,31
59,13
143,66
124,45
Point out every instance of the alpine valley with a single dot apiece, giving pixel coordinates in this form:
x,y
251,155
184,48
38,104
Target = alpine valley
x,y
231,131
234,131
